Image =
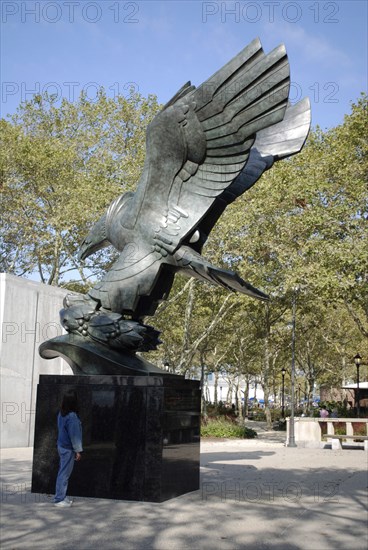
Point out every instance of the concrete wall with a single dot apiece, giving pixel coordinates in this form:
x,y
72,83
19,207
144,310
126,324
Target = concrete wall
x,y
29,315
308,433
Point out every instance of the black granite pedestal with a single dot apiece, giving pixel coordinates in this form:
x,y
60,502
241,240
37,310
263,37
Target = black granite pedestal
x,y
140,436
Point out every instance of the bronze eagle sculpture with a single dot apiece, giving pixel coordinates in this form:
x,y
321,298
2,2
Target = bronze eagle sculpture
x,y
205,148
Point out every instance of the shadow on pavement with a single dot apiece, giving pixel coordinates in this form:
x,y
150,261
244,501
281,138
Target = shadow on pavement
x,y
250,499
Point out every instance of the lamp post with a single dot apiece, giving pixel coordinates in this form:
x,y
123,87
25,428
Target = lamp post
x,y
299,388
283,372
291,442
357,361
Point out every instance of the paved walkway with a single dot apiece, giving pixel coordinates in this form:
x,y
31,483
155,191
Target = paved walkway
x,y
265,433
254,494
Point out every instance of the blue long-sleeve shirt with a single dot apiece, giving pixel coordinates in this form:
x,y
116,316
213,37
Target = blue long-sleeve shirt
x,y
70,432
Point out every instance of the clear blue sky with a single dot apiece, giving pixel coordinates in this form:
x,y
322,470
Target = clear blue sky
x,y
66,46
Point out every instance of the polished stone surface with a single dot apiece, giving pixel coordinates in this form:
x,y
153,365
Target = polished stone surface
x,y
140,436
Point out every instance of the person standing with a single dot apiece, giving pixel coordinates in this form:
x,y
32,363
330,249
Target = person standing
x,y
69,444
323,413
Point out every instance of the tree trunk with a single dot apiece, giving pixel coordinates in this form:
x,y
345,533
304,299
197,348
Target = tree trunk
x,y
238,401
267,407
246,397
189,349
229,395
215,388
266,373
203,396
310,382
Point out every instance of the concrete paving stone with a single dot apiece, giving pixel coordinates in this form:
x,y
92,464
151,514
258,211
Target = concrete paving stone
x,y
254,494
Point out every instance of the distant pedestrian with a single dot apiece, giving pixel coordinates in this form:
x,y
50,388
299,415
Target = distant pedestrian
x,y
69,444
323,413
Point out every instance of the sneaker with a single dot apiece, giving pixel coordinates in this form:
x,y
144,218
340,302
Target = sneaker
x,y
63,504
67,499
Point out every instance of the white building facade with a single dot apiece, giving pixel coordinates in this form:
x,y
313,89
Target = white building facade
x,y
226,389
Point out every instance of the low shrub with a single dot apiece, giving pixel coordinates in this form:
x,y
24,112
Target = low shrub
x,y
340,428
249,433
224,427
323,426
359,428
221,409
339,407
258,416
280,425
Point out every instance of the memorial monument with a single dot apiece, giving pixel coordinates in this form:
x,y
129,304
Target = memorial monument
x,y
206,147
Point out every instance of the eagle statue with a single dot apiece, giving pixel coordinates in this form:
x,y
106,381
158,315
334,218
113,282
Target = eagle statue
x,y
206,147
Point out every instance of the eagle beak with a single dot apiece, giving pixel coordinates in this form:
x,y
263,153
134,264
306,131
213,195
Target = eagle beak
x,y
83,252
88,247
95,240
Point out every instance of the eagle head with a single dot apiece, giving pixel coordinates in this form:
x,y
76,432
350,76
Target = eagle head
x,y
95,240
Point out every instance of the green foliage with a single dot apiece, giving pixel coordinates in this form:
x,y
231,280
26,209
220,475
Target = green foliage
x,y
249,433
257,415
280,425
302,226
277,414
339,406
360,428
224,427
323,426
220,410
61,167
340,428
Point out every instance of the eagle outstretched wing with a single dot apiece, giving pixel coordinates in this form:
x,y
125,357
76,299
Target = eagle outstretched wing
x,y
211,131
205,148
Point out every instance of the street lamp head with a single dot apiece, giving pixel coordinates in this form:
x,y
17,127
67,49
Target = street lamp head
x,y
283,371
357,359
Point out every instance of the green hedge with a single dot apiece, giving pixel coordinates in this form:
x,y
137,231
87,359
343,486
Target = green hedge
x,y
223,427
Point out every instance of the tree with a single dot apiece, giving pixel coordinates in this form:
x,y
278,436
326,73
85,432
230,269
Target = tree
x,y
61,167
302,226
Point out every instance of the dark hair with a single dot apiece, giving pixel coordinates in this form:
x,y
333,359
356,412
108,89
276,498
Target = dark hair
x,y
69,404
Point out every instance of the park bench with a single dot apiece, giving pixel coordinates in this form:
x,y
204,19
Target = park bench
x,y
337,439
